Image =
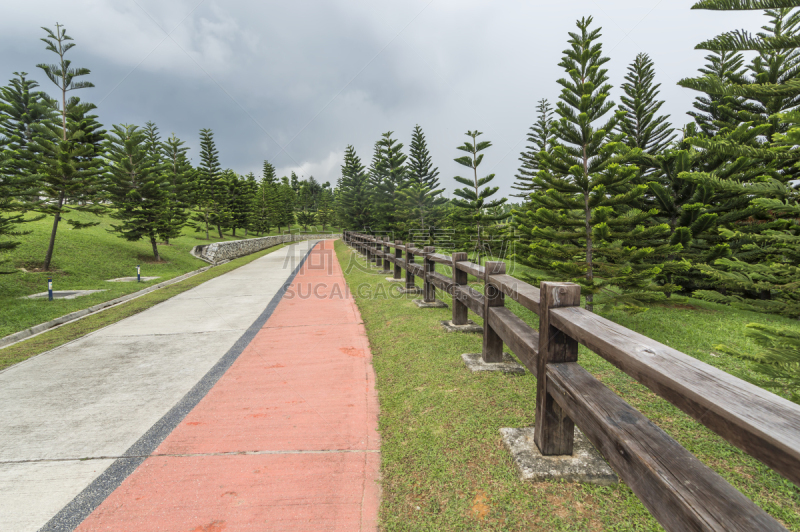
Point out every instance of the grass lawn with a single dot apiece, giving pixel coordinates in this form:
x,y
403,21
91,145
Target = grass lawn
x,y
74,330
84,260
444,466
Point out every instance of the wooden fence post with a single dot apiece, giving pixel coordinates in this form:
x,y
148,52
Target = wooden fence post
x,y
398,254
493,297
375,248
554,430
387,250
460,310
429,290
410,285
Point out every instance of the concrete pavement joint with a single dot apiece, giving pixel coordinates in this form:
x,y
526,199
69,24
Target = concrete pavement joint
x,y
74,513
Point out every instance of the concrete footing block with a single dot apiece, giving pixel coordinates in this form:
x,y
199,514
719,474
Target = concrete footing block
x,y
585,465
385,272
475,364
393,280
470,327
430,304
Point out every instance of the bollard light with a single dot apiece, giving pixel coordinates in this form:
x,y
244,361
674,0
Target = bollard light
x,y
138,273
50,289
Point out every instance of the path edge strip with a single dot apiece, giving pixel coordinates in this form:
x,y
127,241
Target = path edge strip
x,y
88,500
11,339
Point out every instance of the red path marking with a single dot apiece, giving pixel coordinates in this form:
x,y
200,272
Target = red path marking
x,y
303,396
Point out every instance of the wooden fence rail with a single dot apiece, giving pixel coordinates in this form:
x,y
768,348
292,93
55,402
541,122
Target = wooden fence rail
x,y
679,490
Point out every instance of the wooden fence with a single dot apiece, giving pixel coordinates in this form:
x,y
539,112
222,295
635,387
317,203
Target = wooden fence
x,y
680,492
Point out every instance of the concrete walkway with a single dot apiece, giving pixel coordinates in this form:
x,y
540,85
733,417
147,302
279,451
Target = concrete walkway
x,y
233,406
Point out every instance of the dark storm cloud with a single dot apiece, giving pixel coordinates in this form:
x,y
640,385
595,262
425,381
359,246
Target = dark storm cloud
x,y
295,82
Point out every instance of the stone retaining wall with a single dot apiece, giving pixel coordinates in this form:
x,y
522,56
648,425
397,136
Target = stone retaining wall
x,y
224,251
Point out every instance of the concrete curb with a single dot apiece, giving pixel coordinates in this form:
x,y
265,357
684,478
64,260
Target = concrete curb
x,y
12,339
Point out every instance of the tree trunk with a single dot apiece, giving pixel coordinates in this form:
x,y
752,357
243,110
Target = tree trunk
x,y
234,232
219,230
155,246
56,219
589,270
205,217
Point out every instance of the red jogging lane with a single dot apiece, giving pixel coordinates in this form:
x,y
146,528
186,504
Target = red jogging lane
x,y
287,438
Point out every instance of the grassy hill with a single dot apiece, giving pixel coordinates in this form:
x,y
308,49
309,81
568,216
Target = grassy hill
x,y
84,260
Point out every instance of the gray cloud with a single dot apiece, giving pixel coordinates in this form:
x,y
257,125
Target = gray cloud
x,y
295,82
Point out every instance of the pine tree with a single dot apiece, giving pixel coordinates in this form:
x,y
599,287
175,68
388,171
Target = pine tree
x,y
388,175
645,129
761,270
694,209
355,188
86,127
237,201
475,204
305,197
582,222
325,212
540,139
269,197
209,188
152,145
715,112
12,187
755,267
22,110
775,67
179,177
250,193
61,74
420,164
419,200
69,166
313,189
287,200
268,174
261,221
136,190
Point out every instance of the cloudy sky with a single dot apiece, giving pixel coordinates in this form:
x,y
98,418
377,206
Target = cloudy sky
x,y
296,82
